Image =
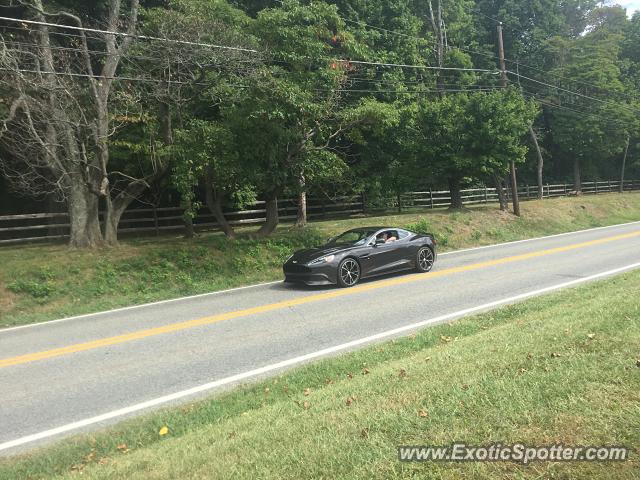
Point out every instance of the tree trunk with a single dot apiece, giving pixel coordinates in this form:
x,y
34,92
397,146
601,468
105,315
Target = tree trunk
x,y
456,193
577,178
624,165
272,218
214,202
189,231
301,220
534,138
83,218
117,206
515,200
502,196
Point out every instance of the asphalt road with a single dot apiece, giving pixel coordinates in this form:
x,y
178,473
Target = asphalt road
x,y
62,377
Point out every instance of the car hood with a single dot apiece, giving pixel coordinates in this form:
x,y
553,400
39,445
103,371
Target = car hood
x,y
310,254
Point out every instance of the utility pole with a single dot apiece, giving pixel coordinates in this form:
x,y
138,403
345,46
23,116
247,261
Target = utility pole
x,y
503,82
624,164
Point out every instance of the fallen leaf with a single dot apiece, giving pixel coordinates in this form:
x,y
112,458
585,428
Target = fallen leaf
x,y
555,354
465,386
123,448
232,435
638,363
349,376
306,405
529,355
522,370
364,433
365,371
307,392
412,336
445,338
423,413
328,381
402,373
267,390
103,461
591,336
163,431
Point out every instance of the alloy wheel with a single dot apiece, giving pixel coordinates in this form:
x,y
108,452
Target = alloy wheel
x,y
349,272
425,259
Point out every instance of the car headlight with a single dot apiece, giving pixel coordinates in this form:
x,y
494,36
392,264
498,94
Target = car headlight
x,y
320,260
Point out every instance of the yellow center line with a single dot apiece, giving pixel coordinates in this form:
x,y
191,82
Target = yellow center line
x,y
175,327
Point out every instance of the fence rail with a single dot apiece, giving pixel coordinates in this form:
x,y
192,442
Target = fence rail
x,y
32,227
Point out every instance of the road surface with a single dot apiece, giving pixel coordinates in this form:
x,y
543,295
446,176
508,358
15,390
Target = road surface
x,y
62,377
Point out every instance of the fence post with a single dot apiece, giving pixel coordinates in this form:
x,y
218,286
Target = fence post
x,y
596,184
486,194
609,184
364,203
548,191
431,197
155,220
528,192
565,189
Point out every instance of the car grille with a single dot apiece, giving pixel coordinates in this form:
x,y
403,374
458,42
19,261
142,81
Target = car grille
x,y
292,268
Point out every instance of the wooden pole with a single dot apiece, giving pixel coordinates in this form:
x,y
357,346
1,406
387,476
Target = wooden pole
x,y
624,164
512,164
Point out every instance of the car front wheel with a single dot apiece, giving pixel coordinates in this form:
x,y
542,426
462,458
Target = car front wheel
x,y
348,273
424,259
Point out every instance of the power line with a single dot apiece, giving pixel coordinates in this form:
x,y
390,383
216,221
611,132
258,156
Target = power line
x,y
144,37
129,35
572,92
577,82
421,67
589,113
393,32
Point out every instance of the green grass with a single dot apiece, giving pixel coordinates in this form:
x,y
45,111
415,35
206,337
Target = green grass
x,y
42,282
559,368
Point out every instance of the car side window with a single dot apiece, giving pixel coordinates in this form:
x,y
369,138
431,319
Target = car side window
x,y
389,236
402,234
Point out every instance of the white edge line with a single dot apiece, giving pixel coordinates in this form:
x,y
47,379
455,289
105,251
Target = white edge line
x,y
142,305
246,287
537,238
297,360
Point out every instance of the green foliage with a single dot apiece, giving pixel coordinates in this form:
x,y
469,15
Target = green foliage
x,y
472,134
33,288
421,226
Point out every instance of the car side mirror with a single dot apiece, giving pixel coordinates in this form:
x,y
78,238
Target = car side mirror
x,y
380,241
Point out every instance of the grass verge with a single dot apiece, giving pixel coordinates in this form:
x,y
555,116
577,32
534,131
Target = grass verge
x,y
562,368
43,282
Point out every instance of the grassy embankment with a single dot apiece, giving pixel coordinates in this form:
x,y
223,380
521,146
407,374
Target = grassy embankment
x,y
560,368
42,282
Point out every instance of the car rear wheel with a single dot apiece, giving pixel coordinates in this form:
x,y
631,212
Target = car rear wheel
x,y
348,273
424,259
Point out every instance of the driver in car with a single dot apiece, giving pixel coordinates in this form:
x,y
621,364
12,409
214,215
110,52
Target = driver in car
x,y
388,237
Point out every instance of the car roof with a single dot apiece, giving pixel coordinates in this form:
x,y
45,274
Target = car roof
x,y
360,229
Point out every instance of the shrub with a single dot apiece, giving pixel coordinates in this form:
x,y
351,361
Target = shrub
x,y
421,226
32,288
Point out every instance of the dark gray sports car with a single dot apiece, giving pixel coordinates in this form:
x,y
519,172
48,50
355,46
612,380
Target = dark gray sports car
x,y
361,253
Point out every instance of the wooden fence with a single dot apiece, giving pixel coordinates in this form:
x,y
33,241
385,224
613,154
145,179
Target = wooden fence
x,y
55,226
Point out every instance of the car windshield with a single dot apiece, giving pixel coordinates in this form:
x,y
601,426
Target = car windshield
x,y
353,237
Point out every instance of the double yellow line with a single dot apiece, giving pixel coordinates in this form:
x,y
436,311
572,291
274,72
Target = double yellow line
x,y
176,327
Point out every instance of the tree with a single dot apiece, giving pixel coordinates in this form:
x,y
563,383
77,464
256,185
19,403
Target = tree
x,y
471,136
595,122
58,125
